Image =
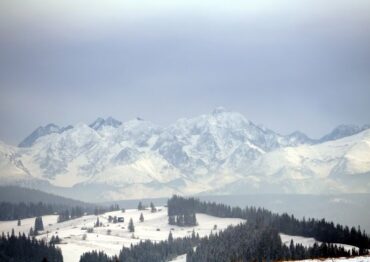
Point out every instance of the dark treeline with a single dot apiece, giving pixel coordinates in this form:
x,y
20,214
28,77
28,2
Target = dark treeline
x,y
75,212
148,251
181,212
321,230
95,256
70,213
22,248
257,242
12,211
156,252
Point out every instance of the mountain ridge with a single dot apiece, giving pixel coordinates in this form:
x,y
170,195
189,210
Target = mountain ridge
x,y
219,152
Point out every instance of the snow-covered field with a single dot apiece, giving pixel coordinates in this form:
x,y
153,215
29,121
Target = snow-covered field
x,y
111,237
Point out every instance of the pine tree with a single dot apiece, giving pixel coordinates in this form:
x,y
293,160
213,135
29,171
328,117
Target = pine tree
x,y
152,207
19,222
140,206
39,225
32,232
131,226
170,238
141,217
97,223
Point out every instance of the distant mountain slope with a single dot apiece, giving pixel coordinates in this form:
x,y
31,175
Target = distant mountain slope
x,y
42,131
15,194
219,152
343,131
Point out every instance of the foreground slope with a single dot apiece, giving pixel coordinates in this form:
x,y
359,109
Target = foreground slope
x,y
111,237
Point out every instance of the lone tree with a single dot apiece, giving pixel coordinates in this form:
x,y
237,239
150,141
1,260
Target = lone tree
x,y
39,225
140,206
170,238
19,222
97,223
141,217
32,232
152,207
131,226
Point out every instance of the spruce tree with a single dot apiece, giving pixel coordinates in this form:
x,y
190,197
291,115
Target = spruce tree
x,y
152,207
170,238
39,225
131,226
32,232
97,223
141,217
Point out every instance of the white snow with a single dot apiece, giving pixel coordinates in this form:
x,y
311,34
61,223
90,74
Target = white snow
x,y
196,151
309,241
306,242
155,228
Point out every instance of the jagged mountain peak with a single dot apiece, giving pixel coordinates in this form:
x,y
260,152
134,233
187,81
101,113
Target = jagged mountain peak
x,y
298,137
100,122
42,131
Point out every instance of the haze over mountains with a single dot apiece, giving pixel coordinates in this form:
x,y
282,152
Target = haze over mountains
x,y
221,152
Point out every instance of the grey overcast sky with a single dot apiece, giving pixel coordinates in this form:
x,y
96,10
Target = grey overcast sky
x,y
289,65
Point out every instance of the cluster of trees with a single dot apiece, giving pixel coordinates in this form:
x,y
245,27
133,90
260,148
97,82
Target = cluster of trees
x,y
148,251
140,207
54,240
95,256
257,242
324,231
321,230
71,213
181,211
22,248
13,211
101,210
39,226
112,219
114,207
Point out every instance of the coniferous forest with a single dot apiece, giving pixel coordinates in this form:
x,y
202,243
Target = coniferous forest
x,y
12,211
22,248
181,211
256,240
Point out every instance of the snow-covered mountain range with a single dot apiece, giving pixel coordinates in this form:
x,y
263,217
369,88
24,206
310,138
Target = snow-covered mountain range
x,y
221,153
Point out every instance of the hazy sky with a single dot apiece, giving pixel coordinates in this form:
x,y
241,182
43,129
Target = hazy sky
x,y
290,65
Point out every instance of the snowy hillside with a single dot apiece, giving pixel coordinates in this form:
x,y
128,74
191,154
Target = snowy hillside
x,y
221,152
306,242
111,237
